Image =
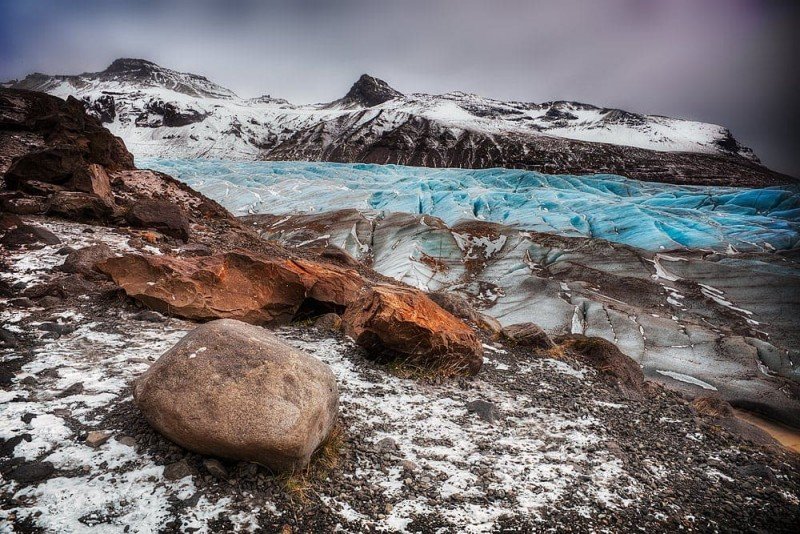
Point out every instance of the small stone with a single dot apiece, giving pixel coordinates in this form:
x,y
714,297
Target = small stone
x,y
149,316
29,380
177,470
329,322
49,301
487,411
387,445
74,389
388,508
127,440
32,472
21,302
409,465
215,468
95,438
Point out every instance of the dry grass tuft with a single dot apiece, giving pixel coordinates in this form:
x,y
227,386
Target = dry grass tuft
x,y
413,368
299,484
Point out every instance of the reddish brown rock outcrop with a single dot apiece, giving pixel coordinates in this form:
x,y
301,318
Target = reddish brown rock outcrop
x,y
397,322
234,285
328,285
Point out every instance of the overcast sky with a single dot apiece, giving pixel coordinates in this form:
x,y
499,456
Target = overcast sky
x,y
730,62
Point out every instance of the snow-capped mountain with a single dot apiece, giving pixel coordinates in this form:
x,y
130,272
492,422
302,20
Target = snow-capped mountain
x,y
161,112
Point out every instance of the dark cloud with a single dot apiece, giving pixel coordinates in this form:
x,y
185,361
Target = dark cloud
x,y
730,62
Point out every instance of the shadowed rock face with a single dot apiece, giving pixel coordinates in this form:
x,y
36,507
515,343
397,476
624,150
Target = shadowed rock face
x,y
236,391
418,141
608,360
35,120
696,321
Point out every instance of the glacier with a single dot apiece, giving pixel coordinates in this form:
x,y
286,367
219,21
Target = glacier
x,y
646,215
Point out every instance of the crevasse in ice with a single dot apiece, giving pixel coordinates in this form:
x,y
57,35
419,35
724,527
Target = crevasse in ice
x,y
647,215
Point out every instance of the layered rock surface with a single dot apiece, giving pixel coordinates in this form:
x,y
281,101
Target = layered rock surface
x,y
697,321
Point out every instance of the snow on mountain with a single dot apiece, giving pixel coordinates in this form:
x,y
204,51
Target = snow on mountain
x,y
163,113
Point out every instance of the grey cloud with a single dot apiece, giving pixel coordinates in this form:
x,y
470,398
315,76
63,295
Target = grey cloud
x,y
730,62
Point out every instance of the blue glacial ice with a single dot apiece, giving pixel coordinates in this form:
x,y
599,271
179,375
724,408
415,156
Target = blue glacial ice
x,y
652,216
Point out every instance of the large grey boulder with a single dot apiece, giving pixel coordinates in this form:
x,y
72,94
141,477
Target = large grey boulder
x,y
234,390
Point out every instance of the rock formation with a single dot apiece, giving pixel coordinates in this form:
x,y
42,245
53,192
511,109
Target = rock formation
x,y
233,390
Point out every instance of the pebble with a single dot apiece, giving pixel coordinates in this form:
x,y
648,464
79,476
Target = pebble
x,y
95,438
177,470
215,468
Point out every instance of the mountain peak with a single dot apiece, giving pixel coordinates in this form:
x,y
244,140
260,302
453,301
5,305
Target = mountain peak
x,y
369,91
126,64
144,72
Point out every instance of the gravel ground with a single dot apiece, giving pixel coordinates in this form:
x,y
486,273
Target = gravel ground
x,y
551,447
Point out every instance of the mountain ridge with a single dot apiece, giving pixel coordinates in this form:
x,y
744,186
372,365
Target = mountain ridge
x,y
160,112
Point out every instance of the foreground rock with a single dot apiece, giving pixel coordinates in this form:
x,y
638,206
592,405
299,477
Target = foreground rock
x,y
161,215
606,358
723,415
528,335
236,391
234,285
83,260
399,323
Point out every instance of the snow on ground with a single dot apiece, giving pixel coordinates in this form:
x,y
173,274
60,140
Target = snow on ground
x,y
69,385
521,454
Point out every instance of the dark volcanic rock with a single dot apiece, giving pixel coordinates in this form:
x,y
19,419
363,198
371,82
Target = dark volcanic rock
x,y
368,92
607,359
83,260
103,108
529,335
27,118
51,165
168,114
32,472
161,215
78,206
485,410
455,304
28,234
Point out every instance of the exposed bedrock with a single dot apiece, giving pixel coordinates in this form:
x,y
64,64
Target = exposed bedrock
x,y
234,390
57,160
703,323
235,285
392,322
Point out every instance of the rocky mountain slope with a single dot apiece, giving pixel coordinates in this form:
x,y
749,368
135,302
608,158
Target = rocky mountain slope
x,y
447,421
161,112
